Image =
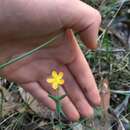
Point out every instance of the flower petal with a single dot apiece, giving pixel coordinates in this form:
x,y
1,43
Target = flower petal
x,y
60,75
54,74
55,86
50,80
61,82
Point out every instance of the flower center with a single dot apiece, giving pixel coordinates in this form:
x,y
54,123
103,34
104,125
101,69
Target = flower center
x,y
57,80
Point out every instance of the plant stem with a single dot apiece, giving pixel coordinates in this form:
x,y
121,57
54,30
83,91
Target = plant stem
x,y
29,52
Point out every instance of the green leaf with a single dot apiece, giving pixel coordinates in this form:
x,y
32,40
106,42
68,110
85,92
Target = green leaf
x,y
61,97
57,98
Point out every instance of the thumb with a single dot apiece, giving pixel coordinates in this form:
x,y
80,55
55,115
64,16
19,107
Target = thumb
x,y
81,18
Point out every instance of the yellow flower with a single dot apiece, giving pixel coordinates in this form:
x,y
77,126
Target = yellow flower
x,y
56,81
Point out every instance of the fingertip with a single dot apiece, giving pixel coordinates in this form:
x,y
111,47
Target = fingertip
x,y
89,34
52,106
74,116
70,110
89,37
88,113
97,101
93,92
92,46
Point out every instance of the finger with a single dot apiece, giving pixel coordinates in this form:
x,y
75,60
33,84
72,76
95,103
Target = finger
x,y
41,95
76,95
81,70
84,19
67,106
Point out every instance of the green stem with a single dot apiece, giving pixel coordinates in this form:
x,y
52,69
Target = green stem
x,y
58,112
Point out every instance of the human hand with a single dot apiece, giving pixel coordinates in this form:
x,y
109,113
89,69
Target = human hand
x,y
33,23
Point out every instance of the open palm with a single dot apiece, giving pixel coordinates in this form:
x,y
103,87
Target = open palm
x,y
63,55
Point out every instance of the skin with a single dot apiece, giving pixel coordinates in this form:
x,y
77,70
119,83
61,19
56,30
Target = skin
x,y
26,24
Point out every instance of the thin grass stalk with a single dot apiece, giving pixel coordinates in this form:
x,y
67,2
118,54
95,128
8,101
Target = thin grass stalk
x,y
27,54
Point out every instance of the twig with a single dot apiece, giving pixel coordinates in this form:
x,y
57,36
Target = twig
x,y
8,118
118,121
121,107
109,24
121,125
103,1
113,50
120,92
